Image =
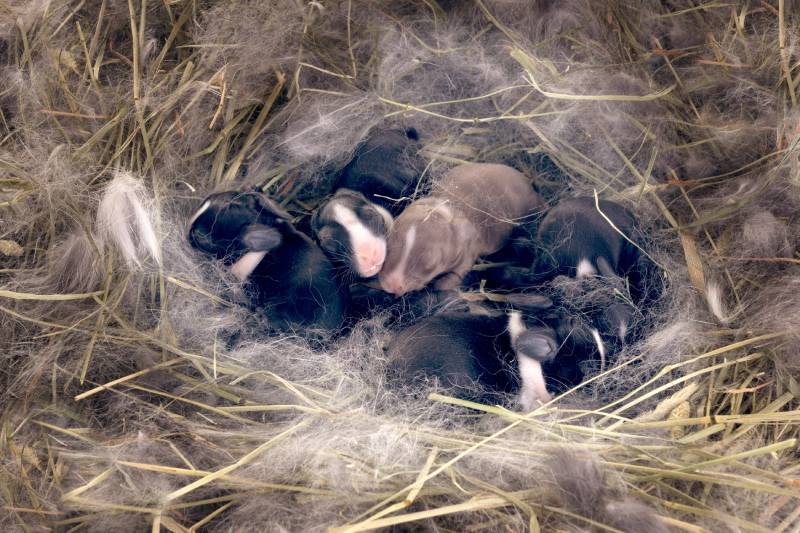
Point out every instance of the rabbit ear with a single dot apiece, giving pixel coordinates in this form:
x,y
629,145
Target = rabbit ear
x,y
538,345
605,268
529,301
260,238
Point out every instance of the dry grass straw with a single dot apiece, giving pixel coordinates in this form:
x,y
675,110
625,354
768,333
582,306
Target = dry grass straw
x,y
718,412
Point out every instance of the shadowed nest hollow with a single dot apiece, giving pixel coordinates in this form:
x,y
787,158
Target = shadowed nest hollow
x,y
137,394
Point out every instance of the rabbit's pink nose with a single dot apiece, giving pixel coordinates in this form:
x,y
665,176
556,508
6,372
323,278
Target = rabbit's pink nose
x,y
369,258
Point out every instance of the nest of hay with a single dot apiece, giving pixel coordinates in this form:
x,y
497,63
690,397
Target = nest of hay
x,y
136,395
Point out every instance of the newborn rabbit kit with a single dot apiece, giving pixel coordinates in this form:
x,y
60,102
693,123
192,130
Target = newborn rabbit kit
x,y
284,272
469,213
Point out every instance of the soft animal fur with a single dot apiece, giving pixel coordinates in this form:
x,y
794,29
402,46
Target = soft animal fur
x,y
479,356
385,168
470,355
470,213
285,273
376,184
579,241
575,240
582,239
352,231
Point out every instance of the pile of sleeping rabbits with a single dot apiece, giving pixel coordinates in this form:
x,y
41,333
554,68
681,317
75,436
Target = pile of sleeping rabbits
x,y
385,242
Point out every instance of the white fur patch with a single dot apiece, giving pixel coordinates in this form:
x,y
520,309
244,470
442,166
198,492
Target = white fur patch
x,y
246,264
199,212
397,274
714,298
515,325
534,387
345,216
585,269
601,348
361,237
